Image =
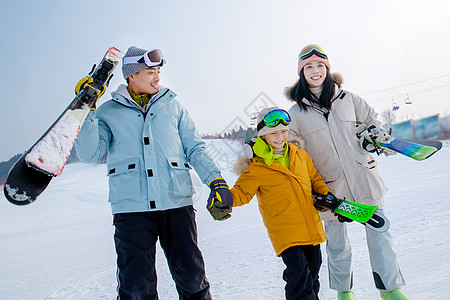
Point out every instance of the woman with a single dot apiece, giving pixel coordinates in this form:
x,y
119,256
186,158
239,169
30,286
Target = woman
x,y
326,118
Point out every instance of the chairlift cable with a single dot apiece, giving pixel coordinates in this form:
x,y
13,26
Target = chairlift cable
x,y
410,93
408,84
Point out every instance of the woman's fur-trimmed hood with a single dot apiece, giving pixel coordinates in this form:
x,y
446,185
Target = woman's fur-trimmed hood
x,y
337,78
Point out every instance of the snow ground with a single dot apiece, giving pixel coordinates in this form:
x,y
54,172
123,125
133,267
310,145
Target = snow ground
x,y
61,246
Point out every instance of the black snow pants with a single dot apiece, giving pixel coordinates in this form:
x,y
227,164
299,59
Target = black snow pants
x,y
302,272
135,239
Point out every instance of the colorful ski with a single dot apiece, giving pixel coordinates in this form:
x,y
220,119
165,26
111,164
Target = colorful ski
x,y
411,149
361,213
356,211
431,143
32,173
378,222
380,139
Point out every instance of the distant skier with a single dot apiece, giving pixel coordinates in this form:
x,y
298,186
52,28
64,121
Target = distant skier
x,y
325,116
151,142
283,177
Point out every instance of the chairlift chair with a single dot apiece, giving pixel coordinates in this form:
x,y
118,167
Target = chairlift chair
x,y
408,100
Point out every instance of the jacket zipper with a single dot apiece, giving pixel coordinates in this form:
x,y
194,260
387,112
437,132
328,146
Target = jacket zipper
x,y
326,114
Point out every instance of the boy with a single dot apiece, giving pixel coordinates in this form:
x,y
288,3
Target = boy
x,y
283,177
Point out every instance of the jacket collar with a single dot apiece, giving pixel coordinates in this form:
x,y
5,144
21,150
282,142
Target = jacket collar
x,y
122,96
265,151
258,160
337,93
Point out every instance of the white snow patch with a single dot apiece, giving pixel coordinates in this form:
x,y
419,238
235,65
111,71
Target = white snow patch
x,y
51,153
61,246
12,192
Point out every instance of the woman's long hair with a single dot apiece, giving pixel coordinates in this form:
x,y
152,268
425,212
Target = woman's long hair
x,y
301,90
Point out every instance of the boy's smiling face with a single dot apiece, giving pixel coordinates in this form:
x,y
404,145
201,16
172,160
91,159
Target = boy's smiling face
x,y
277,139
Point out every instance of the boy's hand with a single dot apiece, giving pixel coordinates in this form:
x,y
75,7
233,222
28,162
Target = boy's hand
x,y
325,202
218,210
329,202
220,200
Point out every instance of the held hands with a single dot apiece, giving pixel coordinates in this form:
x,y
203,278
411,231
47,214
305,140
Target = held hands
x,y
220,200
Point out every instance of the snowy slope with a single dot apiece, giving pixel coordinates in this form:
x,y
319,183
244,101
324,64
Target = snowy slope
x,y
61,246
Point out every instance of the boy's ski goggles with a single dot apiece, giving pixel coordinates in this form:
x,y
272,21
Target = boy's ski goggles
x,y
273,118
150,58
311,50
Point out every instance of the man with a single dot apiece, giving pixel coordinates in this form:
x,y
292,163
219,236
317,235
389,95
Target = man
x,y
151,142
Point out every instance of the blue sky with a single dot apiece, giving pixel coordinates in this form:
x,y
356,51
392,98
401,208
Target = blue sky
x,y
221,54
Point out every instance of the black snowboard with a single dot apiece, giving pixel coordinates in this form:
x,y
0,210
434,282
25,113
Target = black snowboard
x,y
28,178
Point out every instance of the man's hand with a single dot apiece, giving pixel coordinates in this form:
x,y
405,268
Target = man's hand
x,y
220,200
86,81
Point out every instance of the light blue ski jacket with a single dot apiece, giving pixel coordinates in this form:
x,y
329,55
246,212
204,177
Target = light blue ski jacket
x,y
149,154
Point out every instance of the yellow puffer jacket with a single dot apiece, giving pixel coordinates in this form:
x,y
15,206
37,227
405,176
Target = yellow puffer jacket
x,y
284,198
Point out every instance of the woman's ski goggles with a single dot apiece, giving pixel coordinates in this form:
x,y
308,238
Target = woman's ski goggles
x,y
273,118
311,50
150,58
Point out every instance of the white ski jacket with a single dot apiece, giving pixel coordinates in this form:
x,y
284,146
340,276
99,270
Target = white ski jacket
x,y
348,170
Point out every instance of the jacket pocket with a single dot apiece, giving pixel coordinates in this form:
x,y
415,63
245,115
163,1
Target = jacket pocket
x,y
371,177
370,163
180,184
277,207
124,180
346,113
310,125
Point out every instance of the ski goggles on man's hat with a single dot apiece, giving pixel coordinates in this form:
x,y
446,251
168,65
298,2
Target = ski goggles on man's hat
x,y
311,50
150,58
274,118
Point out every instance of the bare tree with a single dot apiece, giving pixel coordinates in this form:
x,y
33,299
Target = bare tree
x,y
407,116
388,117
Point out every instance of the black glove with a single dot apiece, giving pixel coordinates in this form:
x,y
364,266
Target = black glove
x,y
343,219
325,202
220,200
85,81
368,136
329,202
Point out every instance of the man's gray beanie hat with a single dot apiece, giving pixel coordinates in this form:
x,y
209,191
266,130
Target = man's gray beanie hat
x,y
130,69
